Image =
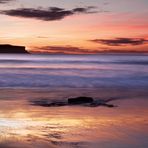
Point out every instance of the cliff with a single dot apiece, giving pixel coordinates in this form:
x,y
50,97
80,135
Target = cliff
x,y
4,48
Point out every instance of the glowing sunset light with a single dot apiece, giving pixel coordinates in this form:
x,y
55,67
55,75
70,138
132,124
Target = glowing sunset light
x,y
73,73
73,24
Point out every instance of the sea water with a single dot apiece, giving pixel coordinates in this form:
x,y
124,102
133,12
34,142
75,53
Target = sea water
x,y
73,71
28,78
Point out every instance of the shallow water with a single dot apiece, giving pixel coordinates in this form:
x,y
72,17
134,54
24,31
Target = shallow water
x,y
23,124
27,78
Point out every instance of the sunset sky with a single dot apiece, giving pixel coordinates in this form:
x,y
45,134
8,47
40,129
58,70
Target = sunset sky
x,y
78,26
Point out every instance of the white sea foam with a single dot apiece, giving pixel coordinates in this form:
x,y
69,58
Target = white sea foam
x,y
73,70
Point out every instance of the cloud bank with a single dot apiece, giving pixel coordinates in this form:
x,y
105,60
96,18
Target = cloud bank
x,y
5,1
121,41
50,14
63,50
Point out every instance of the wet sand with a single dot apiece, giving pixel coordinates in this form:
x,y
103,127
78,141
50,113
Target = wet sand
x,y
30,126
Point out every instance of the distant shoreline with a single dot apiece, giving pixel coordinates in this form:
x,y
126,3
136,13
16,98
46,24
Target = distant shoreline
x,y
15,49
93,53
105,53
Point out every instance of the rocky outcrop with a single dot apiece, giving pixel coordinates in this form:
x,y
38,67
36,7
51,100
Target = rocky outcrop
x,y
80,100
5,48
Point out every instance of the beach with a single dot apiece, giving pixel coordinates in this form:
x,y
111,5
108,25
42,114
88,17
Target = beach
x,y
73,74
31,78
23,124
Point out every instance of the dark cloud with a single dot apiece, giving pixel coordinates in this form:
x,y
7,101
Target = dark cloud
x,y
50,14
121,41
63,50
5,1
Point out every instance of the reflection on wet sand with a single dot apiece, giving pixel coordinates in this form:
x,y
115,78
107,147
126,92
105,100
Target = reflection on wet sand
x,y
28,126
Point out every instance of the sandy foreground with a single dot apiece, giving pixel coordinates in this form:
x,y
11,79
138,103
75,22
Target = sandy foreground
x,y
25,125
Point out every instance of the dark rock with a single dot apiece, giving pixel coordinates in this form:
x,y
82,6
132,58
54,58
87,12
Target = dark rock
x,y
57,104
4,48
80,100
45,103
109,105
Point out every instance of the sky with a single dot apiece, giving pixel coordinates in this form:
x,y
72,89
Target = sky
x,y
75,27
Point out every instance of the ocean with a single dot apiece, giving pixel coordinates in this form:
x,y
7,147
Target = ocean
x,y
33,86
73,71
